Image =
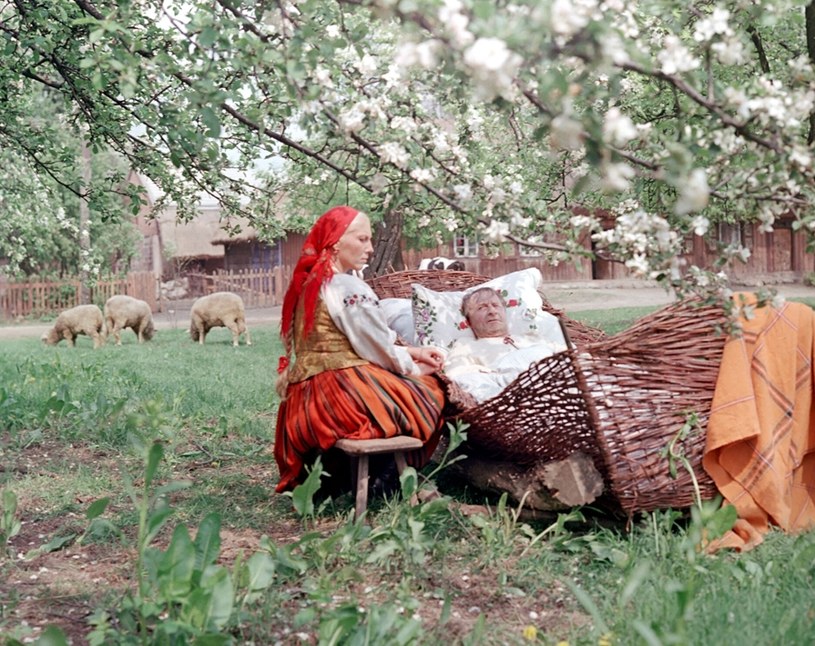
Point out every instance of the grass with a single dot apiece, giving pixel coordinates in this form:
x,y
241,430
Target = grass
x,y
612,321
76,425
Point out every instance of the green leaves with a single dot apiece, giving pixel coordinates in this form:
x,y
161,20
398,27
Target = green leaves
x,y
303,495
211,121
9,523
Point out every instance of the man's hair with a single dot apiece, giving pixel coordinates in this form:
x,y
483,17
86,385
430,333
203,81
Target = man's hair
x,y
481,290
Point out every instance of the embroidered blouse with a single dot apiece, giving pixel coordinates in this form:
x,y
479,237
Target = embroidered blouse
x,y
361,333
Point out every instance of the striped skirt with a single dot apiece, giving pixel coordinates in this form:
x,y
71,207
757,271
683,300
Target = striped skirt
x,y
362,402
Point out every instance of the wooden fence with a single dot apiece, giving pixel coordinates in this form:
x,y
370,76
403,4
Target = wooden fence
x,y
257,287
39,298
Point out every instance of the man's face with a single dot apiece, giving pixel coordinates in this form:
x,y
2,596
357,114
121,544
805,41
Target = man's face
x,y
487,315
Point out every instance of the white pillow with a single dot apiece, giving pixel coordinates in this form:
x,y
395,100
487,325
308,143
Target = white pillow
x,y
438,319
399,315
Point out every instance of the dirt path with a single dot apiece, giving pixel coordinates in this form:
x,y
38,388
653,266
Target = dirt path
x,y
571,297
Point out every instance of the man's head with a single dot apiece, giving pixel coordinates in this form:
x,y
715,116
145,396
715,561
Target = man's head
x,y
485,311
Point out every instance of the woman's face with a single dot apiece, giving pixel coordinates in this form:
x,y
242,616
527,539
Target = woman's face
x,y
354,247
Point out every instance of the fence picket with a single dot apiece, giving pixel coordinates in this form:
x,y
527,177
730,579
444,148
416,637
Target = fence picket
x,y
257,287
41,298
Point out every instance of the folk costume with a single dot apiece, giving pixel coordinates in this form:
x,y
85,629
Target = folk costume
x,y
347,378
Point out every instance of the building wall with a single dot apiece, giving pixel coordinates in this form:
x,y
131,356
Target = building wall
x,y
781,253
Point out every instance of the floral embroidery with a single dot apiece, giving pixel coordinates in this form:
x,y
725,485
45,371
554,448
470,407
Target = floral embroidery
x,y
424,319
438,320
359,299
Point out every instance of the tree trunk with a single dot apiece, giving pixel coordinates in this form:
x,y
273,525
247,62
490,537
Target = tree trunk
x,y
84,228
545,486
809,17
387,256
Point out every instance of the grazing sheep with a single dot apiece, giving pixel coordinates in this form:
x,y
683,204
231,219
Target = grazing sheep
x,y
221,309
82,319
123,312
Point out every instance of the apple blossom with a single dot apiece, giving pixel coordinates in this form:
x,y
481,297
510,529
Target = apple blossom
x,y
618,129
675,57
566,133
693,193
506,114
493,68
496,231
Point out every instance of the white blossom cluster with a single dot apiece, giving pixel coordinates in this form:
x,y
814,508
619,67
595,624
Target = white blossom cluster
x,y
498,111
646,241
675,57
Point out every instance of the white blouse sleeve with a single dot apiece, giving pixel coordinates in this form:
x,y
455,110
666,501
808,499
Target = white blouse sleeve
x,y
355,310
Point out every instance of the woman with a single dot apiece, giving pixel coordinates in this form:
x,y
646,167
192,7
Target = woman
x,y
348,378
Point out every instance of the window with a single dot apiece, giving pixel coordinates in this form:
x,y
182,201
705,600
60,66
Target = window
x,y
730,234
466,247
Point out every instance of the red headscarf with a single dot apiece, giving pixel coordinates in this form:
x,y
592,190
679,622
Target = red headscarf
x,y
314,267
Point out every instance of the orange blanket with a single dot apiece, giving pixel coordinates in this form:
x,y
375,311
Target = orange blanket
x,y
760,448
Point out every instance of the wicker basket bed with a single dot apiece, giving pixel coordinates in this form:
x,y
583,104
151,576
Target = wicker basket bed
x,y
622,399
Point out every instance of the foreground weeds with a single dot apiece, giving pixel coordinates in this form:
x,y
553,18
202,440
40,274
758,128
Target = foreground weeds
x,y
138,508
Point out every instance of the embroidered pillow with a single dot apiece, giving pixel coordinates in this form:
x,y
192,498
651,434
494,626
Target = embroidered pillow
x,y
438,319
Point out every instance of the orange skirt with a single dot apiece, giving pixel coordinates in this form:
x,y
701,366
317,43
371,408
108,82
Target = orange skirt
x,y
362,402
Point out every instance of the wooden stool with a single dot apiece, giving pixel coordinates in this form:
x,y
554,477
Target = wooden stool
x,y
359,450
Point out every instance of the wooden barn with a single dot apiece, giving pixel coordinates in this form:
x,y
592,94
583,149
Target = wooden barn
x,y
244,251
779,256
203,246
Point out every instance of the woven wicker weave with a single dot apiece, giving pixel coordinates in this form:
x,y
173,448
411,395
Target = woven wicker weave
x,y
620,399
643,385
398,285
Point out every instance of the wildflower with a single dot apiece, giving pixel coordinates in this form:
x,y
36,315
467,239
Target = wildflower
x,y
530,633
605,640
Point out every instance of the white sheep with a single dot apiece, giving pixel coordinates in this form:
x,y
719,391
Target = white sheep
x,y
82,319
123,312
221,309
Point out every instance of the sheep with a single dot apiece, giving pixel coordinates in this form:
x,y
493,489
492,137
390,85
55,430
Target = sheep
x,y
440,262
82,319
221,309
123,312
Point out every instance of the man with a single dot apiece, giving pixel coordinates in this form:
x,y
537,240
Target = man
x,y
487,364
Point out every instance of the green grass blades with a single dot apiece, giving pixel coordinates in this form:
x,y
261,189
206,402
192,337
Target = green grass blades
x,y
144,512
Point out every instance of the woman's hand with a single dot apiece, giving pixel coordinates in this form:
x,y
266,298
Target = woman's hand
x,y
428,358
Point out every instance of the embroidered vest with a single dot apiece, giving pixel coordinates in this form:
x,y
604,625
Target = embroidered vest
x,y
325,348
